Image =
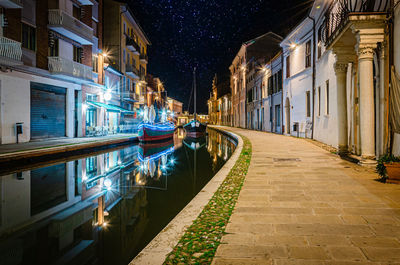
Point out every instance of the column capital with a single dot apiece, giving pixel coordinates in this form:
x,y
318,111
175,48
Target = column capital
x,y
340,67
366,52
344,54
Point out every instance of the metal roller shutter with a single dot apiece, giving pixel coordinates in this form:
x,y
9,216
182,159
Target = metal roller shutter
x,y
48,104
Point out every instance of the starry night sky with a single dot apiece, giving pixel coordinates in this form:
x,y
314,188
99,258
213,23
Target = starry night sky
x,y
207,34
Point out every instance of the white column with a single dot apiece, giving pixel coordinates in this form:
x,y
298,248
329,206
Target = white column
x,y
367,110
69,115
341,81
382,100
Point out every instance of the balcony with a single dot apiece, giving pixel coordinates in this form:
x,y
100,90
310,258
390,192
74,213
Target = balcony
x,y
76,30
129,96
10,52
132,45
144,58
11,3
142,77
342,12
65,67
131,71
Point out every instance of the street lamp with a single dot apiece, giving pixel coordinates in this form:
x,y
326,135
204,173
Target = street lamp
x,y
107,95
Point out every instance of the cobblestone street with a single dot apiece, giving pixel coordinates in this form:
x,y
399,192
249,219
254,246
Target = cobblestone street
x,y
303,205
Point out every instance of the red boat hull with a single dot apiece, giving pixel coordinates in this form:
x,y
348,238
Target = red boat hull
x,y
148,137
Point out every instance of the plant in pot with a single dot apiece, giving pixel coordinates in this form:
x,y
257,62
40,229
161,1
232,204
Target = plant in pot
x,y
388,168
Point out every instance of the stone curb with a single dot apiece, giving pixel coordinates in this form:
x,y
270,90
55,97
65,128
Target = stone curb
x,y
63,148
158,249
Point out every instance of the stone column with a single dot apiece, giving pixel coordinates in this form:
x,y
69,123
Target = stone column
x,y
382,100
341,81
367,110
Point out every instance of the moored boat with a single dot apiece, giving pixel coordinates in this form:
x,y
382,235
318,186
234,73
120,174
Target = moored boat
x,y
195,128
155,132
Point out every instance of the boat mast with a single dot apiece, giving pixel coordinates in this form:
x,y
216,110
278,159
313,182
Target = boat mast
x,y
195,93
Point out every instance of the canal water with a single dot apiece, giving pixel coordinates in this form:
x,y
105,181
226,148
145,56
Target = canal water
x,y
104,207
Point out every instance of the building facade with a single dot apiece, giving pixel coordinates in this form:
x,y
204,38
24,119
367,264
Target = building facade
x,y
270,83
336,80
79,81
46,59
213,105
336,77
242,76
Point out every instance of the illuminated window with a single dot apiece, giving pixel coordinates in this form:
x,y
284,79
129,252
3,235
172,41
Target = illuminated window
x,y
308,54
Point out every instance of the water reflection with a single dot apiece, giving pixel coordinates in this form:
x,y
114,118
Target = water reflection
x,y
103,209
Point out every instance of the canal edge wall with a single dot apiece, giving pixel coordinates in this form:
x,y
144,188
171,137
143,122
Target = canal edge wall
x,y
158,249
65,148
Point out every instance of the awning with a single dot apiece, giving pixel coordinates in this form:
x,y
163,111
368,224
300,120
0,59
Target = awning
x,y
110,108
122,110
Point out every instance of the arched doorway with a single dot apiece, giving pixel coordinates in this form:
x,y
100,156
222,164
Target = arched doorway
x,y
287,115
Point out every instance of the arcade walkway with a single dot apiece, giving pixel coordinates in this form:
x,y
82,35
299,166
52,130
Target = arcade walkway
x,y
303,205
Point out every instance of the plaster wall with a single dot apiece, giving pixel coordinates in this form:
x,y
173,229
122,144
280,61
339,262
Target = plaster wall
x,y
15,104
295,89
325,125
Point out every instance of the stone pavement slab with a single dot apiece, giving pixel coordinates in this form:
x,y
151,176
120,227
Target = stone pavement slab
x,y
303,205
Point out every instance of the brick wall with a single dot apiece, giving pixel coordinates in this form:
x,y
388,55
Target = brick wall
x,y
42,34
14,28
87,55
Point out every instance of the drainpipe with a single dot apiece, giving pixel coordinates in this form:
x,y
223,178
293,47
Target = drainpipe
x,y
282,127
390,132
313,76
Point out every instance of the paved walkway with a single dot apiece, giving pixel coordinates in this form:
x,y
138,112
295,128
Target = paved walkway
x,y
302,205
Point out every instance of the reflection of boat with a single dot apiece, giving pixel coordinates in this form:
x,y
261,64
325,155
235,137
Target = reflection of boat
x,y
156,132
195,143
152,149
195,128
155,161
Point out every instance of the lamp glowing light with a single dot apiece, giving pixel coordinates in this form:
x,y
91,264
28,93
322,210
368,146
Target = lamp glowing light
x,y
107,95
107,184
293,45
172,161
104,224
84,106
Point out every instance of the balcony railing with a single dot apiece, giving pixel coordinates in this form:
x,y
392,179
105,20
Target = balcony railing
x,y
70,27
11,3
10,51
131,44
58,65
144,58
337,16
129,96
131,71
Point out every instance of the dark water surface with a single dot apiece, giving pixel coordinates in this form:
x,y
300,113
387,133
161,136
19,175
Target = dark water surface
x,y
105,207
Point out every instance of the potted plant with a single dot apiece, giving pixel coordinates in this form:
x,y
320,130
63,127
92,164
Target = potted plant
x,y
388,168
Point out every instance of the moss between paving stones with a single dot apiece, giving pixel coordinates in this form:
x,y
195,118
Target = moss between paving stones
x,y
201,240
